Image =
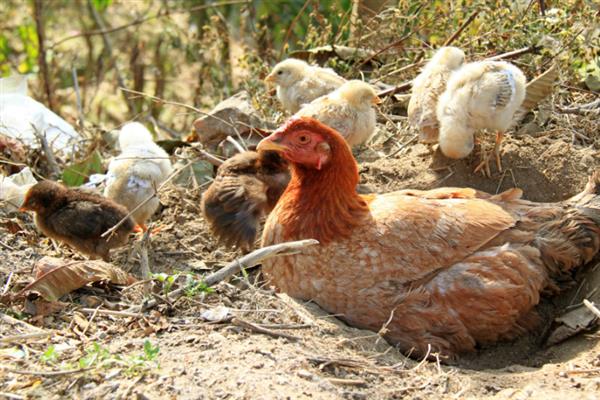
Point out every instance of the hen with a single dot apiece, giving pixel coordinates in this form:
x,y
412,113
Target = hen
x,y
448,268
427,88
348,109
245,189
479,95
299,83
135,174
77,218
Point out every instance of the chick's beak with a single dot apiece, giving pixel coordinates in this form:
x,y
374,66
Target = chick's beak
x,y
376,100
270,143
270,78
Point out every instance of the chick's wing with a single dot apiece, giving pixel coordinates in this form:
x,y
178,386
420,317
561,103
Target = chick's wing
x,y
235,205
83,219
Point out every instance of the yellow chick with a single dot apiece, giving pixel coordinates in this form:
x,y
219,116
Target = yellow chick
x,y
299,83
135,174
348,109
479,95
427,88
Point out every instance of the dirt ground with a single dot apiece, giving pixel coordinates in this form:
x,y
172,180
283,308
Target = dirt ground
x,y
306,353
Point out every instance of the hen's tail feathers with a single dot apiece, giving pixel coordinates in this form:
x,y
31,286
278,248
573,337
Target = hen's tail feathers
x,y
573,239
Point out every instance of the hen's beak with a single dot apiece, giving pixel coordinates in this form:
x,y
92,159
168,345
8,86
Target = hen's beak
x,y
23,209
268,144
376,100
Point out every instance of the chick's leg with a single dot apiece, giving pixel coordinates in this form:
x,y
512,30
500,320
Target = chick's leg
x,y
499,137
484,165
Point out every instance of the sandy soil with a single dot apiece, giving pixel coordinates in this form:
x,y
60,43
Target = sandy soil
x,y
320,357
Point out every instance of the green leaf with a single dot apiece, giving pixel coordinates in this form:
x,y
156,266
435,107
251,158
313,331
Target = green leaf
x,y
101,5
150,352
78,173
49,356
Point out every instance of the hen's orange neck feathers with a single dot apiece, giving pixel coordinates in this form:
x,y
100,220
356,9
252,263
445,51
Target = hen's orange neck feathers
x,y
323,204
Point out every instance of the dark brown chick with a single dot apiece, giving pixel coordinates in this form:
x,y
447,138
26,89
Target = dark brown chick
x,y
246,188
77,218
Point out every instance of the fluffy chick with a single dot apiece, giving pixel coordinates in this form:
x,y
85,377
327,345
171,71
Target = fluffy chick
x,y
299,83
349,110
479,95
77,218
427,88
245,189
134,175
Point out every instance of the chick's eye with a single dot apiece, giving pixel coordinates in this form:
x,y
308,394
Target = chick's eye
x,y
279,72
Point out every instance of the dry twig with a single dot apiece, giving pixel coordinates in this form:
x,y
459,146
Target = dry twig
x,y
248,261
259,329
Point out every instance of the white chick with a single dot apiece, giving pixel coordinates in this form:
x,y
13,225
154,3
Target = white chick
x,y
135,174
479,95
348,109
427,88
299,83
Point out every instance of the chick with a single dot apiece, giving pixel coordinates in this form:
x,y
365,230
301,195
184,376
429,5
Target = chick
x,y
135,174
299,83
479,95
77,218
245,189
349,110
427,88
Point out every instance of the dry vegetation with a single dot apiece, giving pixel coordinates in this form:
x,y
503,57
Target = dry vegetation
x,y
239,339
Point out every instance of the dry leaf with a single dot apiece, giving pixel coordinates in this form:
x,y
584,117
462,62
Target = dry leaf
x,y
540,88
56,277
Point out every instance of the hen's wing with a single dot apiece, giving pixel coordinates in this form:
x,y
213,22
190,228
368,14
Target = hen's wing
x,y
436,229
83,219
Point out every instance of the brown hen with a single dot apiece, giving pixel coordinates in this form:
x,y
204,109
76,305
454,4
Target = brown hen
x,y
245,189
77,218
445,269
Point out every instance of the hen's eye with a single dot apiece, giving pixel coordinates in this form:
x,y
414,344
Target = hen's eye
x,y
303,139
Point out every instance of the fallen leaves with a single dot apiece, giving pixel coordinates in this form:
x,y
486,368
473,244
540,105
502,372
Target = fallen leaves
x,y
55,277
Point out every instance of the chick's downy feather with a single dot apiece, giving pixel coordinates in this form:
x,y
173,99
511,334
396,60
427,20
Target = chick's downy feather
x,y
426,89
137,171
448,268
349,110
78,218
299,83
479,95
245,189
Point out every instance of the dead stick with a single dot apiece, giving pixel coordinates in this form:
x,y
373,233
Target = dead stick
x,y
235,144
514,53
78,99
248,261
260,329
46,373
109,312
591,307
47,151
27,336
461,28
175,103
210,158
